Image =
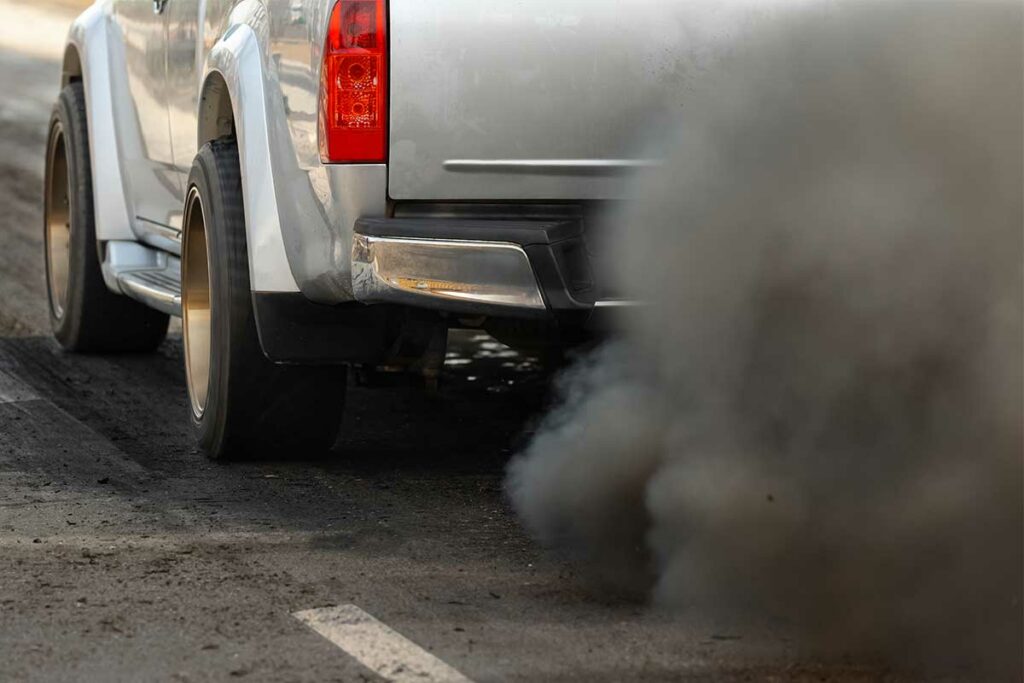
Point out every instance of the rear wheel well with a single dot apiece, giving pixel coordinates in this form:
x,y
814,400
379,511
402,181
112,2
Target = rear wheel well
x,y
216,115
71,70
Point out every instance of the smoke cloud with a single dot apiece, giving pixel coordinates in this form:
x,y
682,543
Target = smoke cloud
x,y
817,414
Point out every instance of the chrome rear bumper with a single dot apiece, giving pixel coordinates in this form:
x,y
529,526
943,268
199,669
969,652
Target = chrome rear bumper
x,y
443,272
528,269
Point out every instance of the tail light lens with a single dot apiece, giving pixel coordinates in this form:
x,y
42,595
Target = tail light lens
x,y
353,84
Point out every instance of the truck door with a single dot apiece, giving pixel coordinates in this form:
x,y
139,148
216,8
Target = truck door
x,y
184,61
156,188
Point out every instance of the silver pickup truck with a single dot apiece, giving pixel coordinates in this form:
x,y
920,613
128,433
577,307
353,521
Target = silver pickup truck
x,y
312,184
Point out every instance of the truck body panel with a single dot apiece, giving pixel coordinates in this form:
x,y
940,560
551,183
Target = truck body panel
x,y
493,109
535,100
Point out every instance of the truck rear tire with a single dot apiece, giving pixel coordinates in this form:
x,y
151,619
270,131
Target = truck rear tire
x,y
84,314
242,404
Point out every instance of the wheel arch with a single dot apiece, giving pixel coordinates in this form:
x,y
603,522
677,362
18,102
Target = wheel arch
x,y
89,55
233,103
71,66
216,114
291,249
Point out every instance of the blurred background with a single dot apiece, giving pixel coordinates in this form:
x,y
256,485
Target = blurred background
x,y
32,34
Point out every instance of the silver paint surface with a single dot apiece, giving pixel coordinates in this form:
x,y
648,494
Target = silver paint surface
x,y
531,100
521,87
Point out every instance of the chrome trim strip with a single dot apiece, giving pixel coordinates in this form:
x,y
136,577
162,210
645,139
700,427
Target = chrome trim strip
x,y
616,303
163,237
560,166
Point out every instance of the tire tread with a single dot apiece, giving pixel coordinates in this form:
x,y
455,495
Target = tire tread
x,y
257,409
95,319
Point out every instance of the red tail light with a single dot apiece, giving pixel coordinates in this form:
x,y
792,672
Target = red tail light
x,y
354,84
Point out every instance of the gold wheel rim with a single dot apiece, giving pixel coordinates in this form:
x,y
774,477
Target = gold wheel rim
x,y
57,218
195,303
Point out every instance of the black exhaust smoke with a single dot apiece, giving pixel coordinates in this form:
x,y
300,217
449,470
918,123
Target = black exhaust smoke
x,y
818,415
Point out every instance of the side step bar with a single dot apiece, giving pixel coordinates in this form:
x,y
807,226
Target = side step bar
x,y
159,289
145,274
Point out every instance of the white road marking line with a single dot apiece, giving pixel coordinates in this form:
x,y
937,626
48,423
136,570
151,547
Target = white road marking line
x,y
387,653
13,390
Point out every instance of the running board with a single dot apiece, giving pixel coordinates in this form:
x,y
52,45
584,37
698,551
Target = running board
x,y
148,275
159,289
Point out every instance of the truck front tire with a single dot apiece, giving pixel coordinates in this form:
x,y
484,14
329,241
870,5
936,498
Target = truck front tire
x,y
242,404
84,314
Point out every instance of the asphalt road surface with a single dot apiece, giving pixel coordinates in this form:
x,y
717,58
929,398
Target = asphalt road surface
x,y
124,555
